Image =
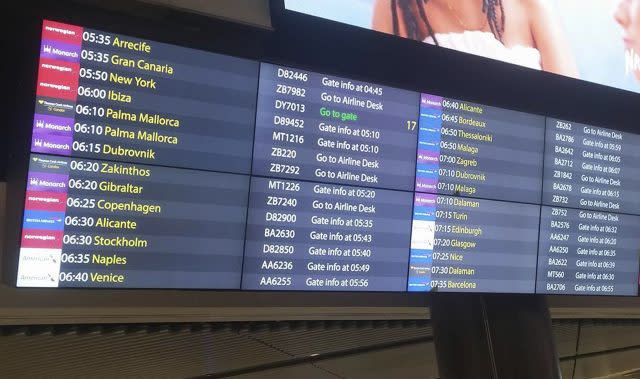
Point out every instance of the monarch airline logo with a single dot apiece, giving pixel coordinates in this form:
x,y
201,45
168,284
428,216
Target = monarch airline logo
x,y
40,124
51,145
46,183
48,49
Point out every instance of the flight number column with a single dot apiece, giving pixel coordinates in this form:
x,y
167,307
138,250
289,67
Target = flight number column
x,y
588,252
326,237
591,168
331,197
317,127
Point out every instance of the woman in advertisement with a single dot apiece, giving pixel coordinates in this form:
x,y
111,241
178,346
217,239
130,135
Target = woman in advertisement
x,y
627,14
524,32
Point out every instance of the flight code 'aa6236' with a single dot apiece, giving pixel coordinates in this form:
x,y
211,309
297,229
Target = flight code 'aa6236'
x,y
276,265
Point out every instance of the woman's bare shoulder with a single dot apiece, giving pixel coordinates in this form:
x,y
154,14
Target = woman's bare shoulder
x,y
536,5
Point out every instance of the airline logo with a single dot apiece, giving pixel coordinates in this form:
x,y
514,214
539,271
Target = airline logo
x,y
430,101
43,142
58,79
55,107
46,201
43,163
47,182
43,220
39,267
58,31
42,239
423,234
60,51
53,124
419,283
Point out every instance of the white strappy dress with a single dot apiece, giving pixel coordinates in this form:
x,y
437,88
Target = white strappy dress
x,y
487,45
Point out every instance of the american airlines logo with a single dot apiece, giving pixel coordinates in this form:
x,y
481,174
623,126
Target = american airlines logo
x,y
47,49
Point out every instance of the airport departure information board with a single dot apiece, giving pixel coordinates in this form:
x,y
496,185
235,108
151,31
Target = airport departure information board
x,y
159,166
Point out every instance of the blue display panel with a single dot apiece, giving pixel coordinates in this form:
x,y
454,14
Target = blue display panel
x,y
266,177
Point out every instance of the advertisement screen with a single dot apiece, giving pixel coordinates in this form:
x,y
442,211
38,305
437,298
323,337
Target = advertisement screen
x,y
592,40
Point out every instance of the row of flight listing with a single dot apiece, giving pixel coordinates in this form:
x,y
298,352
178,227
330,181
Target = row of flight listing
x,y
265,177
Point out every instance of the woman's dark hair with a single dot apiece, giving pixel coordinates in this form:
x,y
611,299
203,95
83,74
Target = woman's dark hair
x,y
413,14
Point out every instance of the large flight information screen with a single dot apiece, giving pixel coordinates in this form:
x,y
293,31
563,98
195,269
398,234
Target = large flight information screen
x,y
159,166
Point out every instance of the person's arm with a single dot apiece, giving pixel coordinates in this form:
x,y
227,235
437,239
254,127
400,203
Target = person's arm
x,y
382,17
550,39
